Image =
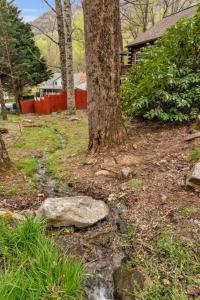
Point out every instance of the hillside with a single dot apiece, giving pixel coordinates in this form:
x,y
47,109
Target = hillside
x,y
47,24
47,21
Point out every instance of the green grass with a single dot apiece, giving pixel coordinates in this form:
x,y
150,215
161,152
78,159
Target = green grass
x,y
57,141
160,292
194,154
135,184
174,250
129,238
12,119
188,211
9,191
171,266
75,135
56,168
34,268
28,165
38,140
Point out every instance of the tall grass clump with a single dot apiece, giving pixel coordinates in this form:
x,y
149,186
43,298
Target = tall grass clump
x,y
33,267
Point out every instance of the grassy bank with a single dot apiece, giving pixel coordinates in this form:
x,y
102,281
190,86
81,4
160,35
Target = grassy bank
x,y
55,139
32,266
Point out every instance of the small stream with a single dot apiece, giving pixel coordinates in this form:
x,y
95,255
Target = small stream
x,y
100,289
100,286
49,185
99,293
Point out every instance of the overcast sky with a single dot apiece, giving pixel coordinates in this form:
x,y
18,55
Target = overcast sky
x,y
31,9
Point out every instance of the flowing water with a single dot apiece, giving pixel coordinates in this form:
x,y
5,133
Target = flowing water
x,y
98,288
99,293
50,186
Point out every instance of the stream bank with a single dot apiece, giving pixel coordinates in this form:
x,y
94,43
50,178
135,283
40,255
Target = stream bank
x,y
155,202
98,246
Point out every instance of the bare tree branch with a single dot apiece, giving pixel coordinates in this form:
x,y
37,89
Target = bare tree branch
x,y
50,6
48,36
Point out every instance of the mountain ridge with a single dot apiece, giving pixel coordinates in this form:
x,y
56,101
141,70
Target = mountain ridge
x,y
47,21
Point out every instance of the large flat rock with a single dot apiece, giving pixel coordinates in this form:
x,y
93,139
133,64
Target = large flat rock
x,y
79,211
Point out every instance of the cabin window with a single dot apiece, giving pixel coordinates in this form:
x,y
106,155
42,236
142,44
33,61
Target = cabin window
x,y
137,56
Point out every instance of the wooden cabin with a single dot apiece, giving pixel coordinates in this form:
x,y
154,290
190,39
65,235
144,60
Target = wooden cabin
x,y
152,34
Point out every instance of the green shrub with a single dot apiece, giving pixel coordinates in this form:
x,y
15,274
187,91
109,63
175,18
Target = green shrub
x,y
32,266
165,84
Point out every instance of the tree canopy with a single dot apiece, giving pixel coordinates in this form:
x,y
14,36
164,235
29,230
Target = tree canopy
x,y
165,84
21,63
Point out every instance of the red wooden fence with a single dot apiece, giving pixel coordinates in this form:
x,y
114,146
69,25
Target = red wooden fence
x,y
53,103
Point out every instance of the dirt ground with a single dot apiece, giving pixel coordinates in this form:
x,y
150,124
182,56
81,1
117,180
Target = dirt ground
x,y
157,156
150,199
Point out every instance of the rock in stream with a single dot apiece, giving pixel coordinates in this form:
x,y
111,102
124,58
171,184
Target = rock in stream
x,y
78,211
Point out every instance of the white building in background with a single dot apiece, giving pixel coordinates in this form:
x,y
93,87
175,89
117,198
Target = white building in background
x,y
54,84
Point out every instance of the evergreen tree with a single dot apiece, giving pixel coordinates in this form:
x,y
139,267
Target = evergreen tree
x,y
21,63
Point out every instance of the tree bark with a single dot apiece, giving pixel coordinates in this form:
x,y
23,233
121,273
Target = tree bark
x,y
121,44
69,54
2,103
102,38
4,157
18,93
61,42
145,15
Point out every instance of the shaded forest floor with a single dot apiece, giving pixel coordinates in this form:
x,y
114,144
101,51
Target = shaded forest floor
x,y
154,219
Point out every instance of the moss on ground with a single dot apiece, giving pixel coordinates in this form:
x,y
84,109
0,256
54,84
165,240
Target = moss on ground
x,y
135,184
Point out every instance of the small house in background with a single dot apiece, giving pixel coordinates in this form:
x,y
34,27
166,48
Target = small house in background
x,y
155,32
54,84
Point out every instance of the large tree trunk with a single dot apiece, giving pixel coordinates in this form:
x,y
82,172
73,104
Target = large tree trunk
x,y
69,54
4,157
61,42
102,38
2,103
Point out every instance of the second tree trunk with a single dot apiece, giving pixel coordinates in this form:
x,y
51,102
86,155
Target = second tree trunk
x,y
69,54
61,42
